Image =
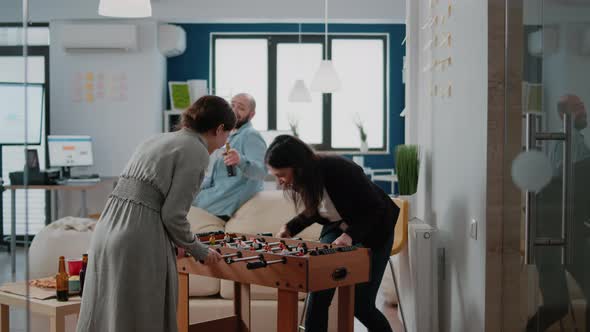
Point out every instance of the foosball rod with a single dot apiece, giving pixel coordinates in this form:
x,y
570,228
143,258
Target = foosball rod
x,y
230,260
263,263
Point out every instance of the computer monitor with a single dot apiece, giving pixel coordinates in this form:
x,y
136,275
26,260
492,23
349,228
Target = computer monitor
x,y
69,151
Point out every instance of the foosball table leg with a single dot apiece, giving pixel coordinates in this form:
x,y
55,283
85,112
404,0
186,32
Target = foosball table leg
x,y
242,306
346,308
287,311
182,309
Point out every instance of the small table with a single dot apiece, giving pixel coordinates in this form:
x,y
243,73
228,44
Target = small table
x,y
82,187
55,310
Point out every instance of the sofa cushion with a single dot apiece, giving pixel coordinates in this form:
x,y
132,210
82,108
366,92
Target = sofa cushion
x,y
202,221
267,211
68,237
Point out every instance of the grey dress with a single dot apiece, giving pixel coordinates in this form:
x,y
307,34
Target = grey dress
x,y
131,282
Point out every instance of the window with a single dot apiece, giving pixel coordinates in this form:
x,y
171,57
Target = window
x,y
267,66
242,66
299,61
13,156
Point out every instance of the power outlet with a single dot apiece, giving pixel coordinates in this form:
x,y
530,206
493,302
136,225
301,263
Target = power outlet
x,y
473,229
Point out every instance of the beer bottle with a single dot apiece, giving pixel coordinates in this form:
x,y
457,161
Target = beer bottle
x,y
61,281
83,272
231,170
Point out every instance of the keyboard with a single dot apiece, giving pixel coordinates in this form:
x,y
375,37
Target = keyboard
x,y
85,176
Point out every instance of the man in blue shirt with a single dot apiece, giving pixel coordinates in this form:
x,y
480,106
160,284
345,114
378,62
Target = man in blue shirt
x,y
222,194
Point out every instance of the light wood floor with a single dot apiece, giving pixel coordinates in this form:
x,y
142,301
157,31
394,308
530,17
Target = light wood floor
x,y
17,317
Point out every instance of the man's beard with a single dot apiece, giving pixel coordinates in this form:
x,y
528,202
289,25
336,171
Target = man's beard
x,y
240,123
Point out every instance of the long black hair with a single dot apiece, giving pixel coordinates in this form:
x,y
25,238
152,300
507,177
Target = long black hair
x,y
308,186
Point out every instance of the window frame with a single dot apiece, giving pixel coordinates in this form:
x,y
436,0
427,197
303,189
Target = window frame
x,y
273,39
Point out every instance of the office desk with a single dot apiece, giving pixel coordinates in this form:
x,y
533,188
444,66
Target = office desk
x,y
384,175
81,187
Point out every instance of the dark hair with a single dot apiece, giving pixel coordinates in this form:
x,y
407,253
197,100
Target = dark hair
x,y
207,113
308,186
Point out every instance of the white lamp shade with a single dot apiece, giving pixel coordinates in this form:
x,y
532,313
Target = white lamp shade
x,y
299,93
531,170
125,8
326,79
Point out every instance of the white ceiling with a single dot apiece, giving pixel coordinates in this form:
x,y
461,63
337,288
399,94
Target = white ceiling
x,y
353,11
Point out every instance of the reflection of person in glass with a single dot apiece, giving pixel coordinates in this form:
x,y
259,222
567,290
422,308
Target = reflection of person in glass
x,y
556,302
573,105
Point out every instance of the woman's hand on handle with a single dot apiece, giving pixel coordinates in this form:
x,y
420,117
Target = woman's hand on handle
x,y
343,240
213,257
284,232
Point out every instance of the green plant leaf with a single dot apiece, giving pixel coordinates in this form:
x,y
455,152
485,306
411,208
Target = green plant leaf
x,y
407,166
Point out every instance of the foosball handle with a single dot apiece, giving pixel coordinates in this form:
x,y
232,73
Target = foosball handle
x,y
256,265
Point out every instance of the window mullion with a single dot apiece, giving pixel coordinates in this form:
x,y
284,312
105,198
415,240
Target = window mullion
x,y
272,83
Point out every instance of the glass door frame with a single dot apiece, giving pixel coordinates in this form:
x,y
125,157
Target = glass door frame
x,y
31,51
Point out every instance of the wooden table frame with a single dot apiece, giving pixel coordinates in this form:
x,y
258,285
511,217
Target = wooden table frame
x,y
287,310
56,311
296,274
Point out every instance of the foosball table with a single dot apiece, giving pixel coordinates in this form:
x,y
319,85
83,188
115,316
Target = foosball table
x,y
290,265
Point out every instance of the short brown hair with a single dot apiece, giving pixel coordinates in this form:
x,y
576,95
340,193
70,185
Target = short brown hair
x,y
207,113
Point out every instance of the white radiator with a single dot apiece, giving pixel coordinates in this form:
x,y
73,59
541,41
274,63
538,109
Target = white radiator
x,y
418,278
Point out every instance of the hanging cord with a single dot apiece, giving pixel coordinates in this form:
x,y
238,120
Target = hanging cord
x,y
326,29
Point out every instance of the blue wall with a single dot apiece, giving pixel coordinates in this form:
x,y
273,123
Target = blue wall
x,y
194,64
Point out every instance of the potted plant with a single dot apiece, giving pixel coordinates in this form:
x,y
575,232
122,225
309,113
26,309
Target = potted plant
x,y
407,167
293,124
362,134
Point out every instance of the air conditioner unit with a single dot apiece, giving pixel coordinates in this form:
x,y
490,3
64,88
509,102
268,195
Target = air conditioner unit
x,y
111,37
171,40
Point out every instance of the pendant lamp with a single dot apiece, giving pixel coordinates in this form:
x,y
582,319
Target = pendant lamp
x,y
125,8
326,79
299,92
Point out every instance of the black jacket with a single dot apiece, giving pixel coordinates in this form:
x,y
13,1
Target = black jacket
x,y
369,213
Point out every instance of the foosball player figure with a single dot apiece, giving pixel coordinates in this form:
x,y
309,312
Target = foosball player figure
x,y
301,249
227,238
212,240
284,249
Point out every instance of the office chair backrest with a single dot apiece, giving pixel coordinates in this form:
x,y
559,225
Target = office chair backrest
x,y
401,227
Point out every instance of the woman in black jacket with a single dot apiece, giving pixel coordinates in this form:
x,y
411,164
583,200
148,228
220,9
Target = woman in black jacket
x,y
336,193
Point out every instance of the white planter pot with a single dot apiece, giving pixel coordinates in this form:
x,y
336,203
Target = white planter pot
x,y
364,147
412,200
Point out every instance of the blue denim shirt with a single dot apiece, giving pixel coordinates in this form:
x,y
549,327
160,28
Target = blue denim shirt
x,y
223,195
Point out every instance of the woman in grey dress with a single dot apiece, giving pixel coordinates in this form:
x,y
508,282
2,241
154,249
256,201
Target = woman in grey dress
x,y
131,282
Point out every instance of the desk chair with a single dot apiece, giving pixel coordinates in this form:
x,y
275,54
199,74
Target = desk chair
x,y
400,240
